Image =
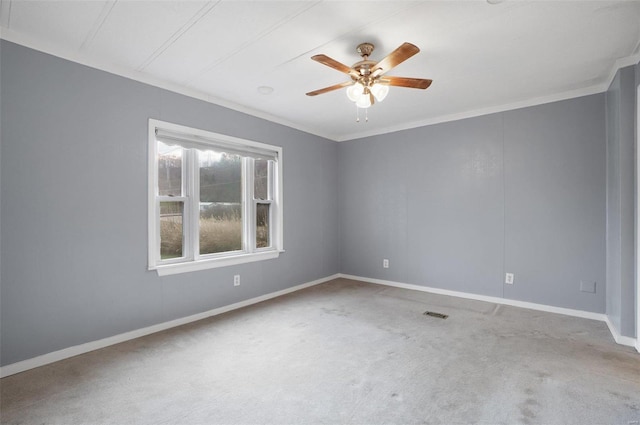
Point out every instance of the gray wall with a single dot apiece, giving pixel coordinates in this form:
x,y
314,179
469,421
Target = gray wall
x,y
621,116
453,206
456,205
74,207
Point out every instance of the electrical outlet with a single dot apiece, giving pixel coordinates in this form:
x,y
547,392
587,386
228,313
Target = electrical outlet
x,y
385,263
236,280
508,279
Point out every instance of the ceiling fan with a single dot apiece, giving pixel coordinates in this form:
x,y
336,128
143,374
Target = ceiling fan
x,y
368,82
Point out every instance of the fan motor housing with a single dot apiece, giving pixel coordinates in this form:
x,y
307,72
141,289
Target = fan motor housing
x,y
364,67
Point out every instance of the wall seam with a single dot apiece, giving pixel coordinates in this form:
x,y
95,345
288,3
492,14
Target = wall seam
x,y
504,206
607,149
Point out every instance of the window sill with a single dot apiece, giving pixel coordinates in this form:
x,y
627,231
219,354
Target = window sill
x,y
212,263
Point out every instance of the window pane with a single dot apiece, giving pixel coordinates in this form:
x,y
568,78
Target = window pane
x,y
169,170
220,202
171,230
262,225
261,179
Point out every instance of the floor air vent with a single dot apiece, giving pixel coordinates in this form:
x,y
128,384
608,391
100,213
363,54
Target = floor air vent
x,y
434,314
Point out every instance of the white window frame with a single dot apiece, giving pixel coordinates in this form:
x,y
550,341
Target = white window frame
x,y
191,260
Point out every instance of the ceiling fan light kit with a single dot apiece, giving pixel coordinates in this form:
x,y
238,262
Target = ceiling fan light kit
x,y
367,83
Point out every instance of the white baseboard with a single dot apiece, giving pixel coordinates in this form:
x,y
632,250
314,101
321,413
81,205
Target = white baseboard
x,y
65,353
622,340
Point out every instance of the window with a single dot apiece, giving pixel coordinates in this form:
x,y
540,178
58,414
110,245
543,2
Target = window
x,y
214,200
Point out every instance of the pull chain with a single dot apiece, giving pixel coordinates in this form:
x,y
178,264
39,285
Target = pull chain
x,y
366,114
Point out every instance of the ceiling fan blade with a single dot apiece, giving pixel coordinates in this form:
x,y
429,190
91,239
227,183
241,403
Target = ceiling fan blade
x,y
394,58
332,63
330,88
414,83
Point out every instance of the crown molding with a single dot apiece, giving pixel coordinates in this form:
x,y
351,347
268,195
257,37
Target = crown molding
x,y
602,87
74,56
480,112
121,71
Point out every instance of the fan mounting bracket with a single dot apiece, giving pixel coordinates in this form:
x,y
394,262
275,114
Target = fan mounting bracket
x,y
365,50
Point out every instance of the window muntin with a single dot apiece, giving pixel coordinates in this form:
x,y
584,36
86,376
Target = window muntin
x,y
214,200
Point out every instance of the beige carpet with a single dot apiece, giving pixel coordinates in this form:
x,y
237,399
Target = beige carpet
x,y
345,352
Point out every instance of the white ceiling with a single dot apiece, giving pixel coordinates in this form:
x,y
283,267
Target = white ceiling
x,y
481,57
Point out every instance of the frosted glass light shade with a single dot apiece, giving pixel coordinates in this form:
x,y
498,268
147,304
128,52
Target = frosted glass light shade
x,y
364,101
354,92
380,91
